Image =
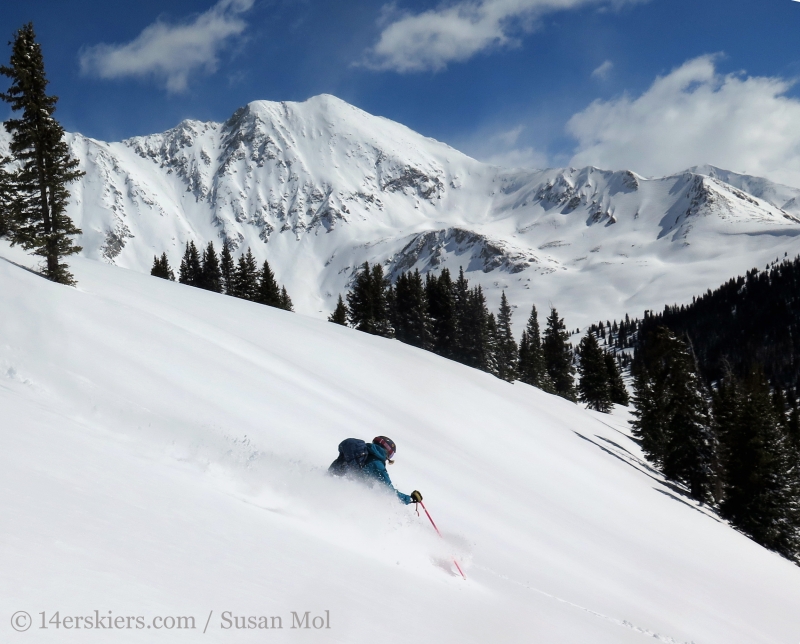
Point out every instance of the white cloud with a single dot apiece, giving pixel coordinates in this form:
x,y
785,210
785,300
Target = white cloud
x,y
692,116
457,31
503,149
603,70
525,157
170,52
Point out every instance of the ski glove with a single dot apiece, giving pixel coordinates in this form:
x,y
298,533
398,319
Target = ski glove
x,y
416,497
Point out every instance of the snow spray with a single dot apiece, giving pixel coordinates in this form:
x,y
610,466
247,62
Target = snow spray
x,y
455,561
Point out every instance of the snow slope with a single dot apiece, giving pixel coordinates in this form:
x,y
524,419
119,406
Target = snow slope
x,y
319,187
164,453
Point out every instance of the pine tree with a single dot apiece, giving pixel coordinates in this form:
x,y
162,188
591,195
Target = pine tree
x,y
461,297
491,345
558,356
760,487
410,311
617,389
652,401
190,271
45,164
593,385
672,418
339,315
7,201
380,286
285,301
227,267
727,404
506,350
367,303
690,448
268,291
210,272
475,343
793,423
440,294
161,268
532,369
245,277
650,413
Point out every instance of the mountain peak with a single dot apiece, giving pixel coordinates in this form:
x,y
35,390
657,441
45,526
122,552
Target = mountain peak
x,y
318,187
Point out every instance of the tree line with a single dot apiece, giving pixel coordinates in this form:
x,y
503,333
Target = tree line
x,y
220,274
34,179
716,398
733,443
451,319
750,321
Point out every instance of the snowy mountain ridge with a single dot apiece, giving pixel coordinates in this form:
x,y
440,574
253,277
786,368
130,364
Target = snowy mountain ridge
x,y
319,187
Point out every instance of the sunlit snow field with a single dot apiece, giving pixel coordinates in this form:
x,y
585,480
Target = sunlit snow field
x,y
164,453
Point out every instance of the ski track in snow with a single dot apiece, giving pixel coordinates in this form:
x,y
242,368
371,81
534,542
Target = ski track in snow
x,y
619,622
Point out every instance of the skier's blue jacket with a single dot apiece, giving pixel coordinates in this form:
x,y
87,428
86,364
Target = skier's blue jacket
x,y
375,467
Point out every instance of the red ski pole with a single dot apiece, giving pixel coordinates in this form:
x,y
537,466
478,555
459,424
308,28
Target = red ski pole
x,y
440,534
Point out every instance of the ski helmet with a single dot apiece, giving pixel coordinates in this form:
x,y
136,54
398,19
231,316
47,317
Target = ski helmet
x,y
387,444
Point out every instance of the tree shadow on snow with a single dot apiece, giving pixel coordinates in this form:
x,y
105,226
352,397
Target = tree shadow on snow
x,y
647,470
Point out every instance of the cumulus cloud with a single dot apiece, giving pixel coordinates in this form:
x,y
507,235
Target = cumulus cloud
x,y
170,52
603,70
691,116
457,31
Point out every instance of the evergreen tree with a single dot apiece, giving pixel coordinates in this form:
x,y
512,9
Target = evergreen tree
x,y
506,350
339,315
380,287
245,277
161,268
7,201
367,303
440,295
617,389
45,165
286,301
461,297
650,411
524,352
410,311
532,369
268,291
727,403
210,272
491,345
760,486
190,271
558,356
593,385
671,413
793,423
475,348
690,451
652,403
227,267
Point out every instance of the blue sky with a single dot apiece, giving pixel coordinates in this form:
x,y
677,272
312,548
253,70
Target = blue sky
x,y
649,85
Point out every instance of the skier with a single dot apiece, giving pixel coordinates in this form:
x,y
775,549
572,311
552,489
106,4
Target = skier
x,y
369,460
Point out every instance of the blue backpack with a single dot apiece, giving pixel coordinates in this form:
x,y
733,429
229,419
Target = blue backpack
x,y
352,457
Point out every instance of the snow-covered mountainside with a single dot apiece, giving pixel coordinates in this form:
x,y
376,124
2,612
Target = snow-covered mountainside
x,y
164,452
320,187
